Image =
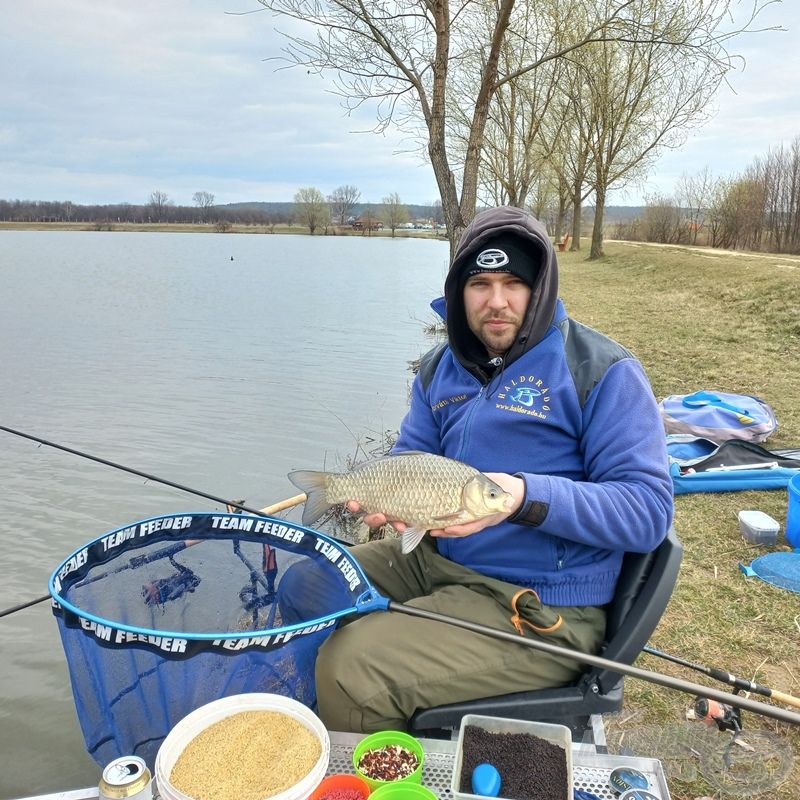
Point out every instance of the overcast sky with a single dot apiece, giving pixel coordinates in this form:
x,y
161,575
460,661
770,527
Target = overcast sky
x,y
107,101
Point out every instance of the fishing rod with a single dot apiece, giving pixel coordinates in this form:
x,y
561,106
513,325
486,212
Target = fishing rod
x,y
281,505
624,669
658,678
726,677
149,477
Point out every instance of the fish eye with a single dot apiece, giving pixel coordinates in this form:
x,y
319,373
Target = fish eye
x,y
492,493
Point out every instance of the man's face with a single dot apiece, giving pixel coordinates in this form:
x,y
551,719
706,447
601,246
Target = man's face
x,y
495,303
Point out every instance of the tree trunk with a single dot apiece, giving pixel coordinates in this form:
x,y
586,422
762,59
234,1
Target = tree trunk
x,y
596,250
576,220
562,212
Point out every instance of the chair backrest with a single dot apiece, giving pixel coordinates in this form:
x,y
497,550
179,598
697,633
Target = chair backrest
x,y
643,590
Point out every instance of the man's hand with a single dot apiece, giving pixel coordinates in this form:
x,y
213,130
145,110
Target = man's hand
x,y
510,483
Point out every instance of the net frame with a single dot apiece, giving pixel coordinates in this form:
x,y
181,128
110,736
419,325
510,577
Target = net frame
x,y
272,530
124,714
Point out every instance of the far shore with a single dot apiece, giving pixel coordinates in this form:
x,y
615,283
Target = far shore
x,y
179,227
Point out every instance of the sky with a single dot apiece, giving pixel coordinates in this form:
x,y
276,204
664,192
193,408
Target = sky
x,y
107,101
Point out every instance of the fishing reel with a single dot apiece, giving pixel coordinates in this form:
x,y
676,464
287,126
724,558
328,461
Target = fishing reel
x,y
712,712
162,590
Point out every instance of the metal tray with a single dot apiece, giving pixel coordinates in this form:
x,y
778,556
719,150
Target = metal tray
x,y
590,770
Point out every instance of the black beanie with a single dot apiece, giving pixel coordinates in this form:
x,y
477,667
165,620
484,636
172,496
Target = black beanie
x,y
505,252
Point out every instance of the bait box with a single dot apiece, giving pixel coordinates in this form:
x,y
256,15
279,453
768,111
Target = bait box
x,y
555,734
758,527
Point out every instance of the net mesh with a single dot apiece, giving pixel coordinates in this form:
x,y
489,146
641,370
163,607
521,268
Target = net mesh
x,y
779,569
162,616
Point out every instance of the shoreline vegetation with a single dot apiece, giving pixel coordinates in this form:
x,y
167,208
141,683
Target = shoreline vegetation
x,y
179,227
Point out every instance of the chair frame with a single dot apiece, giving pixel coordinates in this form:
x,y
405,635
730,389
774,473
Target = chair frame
x,y
643,590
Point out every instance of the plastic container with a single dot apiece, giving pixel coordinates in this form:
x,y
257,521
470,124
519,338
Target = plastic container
x,y
200,719
403,791
340,781
793,512
375,741
557,734
758,527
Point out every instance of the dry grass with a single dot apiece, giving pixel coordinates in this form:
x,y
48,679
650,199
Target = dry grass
x,y
705,320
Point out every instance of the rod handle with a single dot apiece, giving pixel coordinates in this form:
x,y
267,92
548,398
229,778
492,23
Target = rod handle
x,y
785,698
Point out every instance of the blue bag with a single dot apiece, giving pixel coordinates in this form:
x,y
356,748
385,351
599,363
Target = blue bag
x,y
718,416
700,465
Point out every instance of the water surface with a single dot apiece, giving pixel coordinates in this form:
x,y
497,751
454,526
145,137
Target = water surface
x,y
217,361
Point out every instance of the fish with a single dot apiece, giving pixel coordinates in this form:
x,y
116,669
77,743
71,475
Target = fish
x,y
424,490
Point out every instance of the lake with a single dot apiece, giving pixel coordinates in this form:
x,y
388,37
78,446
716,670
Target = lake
x,y
220,362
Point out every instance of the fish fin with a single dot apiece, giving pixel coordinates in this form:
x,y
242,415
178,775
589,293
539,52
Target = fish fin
x,y
313,484
410,538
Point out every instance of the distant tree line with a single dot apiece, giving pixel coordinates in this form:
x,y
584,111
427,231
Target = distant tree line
x,y
159,209
311,209
757,209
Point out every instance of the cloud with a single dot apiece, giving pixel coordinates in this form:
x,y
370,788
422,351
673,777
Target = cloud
x,y
105,102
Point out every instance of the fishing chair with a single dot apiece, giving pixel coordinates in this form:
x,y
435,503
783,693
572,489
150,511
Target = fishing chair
x,y
643,590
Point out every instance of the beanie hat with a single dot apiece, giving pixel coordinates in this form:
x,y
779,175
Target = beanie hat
x,y
505,252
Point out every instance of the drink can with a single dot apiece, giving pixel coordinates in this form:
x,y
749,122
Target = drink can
x,y
127,777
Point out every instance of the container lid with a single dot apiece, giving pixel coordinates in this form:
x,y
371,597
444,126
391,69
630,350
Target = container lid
x,y
758,520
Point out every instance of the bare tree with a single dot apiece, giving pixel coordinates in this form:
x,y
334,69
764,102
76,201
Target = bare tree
x,y
410,55
204,201
644,96
394,213
159,202
342,201
693,195
663,221
311,209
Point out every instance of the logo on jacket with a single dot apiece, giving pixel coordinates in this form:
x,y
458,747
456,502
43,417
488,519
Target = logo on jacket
x,y
527,395
492,259
524,395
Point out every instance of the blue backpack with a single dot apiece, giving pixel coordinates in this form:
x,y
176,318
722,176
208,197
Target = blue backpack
x,y
718,416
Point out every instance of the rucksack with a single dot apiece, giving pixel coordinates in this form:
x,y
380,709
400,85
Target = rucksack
x,y
718,416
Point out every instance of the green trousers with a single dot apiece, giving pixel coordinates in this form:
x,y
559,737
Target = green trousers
x,y
376,670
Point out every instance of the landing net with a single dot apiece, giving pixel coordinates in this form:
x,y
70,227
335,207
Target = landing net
x,y
164,615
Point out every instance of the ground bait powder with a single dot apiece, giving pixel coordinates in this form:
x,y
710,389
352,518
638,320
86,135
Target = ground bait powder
x,y
530,768
246,756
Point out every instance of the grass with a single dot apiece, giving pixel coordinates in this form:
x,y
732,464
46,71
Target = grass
x,y
706,320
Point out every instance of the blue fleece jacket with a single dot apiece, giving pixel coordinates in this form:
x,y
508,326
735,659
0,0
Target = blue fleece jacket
x,y
573,414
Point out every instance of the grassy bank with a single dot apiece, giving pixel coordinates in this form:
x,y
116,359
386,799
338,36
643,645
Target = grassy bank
x,y
705,320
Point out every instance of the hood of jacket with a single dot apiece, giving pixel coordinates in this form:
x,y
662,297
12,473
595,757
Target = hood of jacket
x,y
540,314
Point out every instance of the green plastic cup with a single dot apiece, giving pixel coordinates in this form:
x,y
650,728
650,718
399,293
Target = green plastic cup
x,y
403,791
375,741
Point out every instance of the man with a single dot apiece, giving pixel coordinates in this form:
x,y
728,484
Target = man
x,y
563,419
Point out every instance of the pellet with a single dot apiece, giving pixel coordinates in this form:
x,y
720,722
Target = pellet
x,y
388,763
531,768
250,755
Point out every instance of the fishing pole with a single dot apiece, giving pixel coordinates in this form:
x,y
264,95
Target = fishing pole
x,y
145,475
745,703
282,505
726,677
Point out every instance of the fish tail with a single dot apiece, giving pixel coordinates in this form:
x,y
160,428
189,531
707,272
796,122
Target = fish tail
x,y
314,484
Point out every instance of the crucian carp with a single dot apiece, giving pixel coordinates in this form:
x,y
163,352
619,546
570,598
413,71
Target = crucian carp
x,y
424,490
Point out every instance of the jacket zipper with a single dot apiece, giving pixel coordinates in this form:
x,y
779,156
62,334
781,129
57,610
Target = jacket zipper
x,y
468,423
